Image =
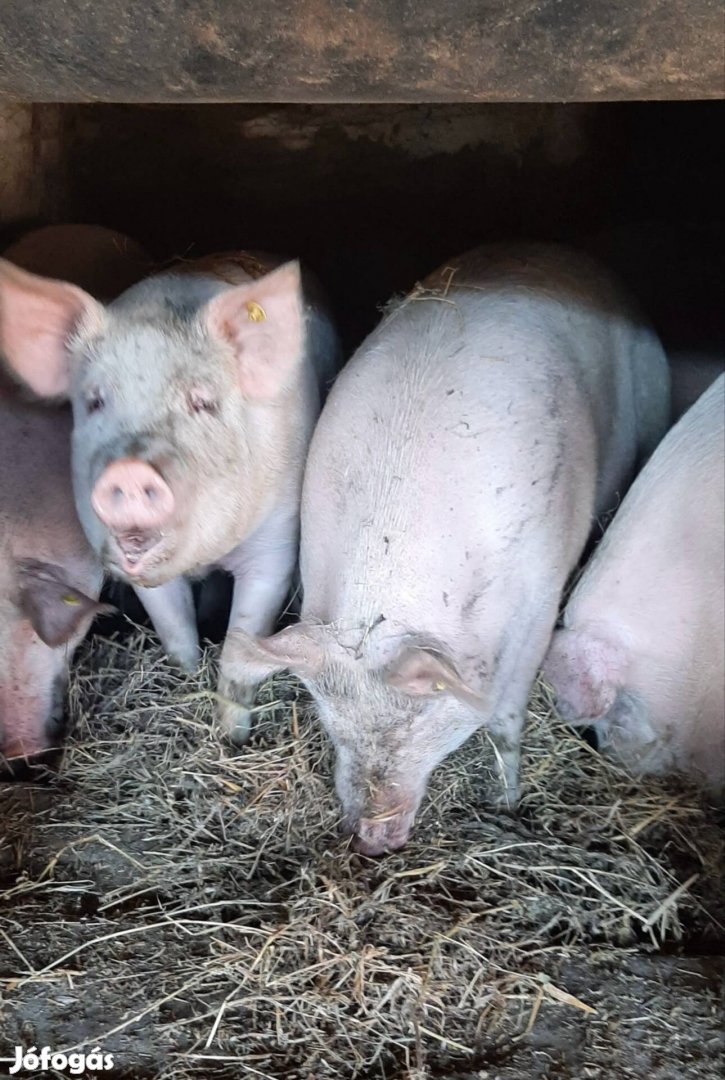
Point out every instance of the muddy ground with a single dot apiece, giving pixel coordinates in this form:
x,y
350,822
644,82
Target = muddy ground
x,y
193,910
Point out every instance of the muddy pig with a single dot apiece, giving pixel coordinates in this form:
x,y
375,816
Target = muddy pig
x,y
194,398
452,482
642,652
49,575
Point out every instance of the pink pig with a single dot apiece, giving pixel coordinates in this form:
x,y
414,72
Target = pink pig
x,y
452,482
49,576
642,652
194,398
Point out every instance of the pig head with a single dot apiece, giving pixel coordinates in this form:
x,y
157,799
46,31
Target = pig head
x,y
173,452
49,577
43,617
422,707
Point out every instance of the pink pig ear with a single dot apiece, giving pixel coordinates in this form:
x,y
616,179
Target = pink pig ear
x,y
37,317
420,672
56,609
263,321
294,649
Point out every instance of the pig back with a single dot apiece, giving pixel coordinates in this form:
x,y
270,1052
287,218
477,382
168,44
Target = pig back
x,y
102,261
671,522
595,333
493,410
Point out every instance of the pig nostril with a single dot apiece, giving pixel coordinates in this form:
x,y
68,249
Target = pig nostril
x,y
132,496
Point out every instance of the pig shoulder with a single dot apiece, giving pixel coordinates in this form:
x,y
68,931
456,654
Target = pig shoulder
x,y
102,261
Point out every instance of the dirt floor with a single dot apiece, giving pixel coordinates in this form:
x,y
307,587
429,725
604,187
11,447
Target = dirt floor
x,y
191,908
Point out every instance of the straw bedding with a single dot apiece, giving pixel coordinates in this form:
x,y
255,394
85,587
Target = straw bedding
x,y
192,908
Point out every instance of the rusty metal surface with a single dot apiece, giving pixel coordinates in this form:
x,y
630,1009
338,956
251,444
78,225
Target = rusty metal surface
x,y
360,50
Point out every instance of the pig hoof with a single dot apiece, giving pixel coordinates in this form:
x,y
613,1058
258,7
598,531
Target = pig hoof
x,y
186,659
236,721
234,708
507,800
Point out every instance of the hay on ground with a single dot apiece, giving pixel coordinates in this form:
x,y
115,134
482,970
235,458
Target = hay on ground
x,y
193,908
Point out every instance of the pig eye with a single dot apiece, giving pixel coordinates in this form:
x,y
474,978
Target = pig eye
x,y
95,402
201,401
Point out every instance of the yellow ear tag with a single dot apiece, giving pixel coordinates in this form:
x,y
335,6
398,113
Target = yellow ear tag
x,y
70,599
439,686
255,312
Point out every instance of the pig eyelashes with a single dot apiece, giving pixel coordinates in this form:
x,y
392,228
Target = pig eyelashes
x,y
200,400
95,401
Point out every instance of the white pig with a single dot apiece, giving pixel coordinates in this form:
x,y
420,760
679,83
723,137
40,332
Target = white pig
x,y
642,652
49,576
194,398
452,482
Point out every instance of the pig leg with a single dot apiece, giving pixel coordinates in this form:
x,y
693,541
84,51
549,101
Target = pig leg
x,y
518,667
171,609
505,732
263,569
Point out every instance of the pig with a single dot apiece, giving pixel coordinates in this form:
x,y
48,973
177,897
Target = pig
x,y
641,655
101,261
452,482
194,397
50,578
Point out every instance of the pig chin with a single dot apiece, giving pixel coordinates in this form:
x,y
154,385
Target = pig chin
x,y
145,562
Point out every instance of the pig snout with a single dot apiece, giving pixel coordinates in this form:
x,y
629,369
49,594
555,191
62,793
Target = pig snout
x,y
382,833
32,726
134,502
383,825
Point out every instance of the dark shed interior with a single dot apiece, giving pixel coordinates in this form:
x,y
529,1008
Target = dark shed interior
x,y
375,196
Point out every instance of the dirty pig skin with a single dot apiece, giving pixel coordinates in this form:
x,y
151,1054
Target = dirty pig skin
x,y
452,482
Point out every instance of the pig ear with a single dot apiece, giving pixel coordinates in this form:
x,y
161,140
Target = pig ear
x,y
263,321
294,649
37,317
421,672
56,609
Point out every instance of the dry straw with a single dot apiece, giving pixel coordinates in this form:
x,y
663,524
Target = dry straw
x,y
193,907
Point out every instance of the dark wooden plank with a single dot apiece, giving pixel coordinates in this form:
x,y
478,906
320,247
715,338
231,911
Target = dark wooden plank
x,y
360,50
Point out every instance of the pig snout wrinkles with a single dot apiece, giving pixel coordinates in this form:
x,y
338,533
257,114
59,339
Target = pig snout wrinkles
x,y
382,833
384,824
130,496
